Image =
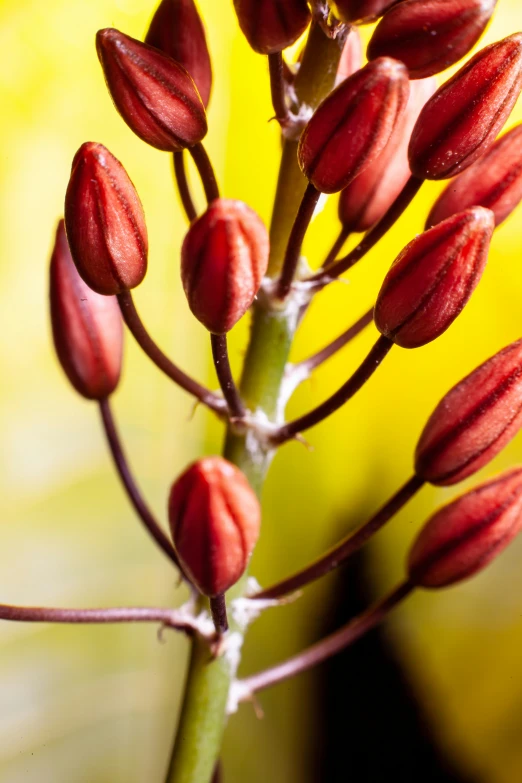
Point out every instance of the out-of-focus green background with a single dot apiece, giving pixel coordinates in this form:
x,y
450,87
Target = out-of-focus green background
x,y
93,705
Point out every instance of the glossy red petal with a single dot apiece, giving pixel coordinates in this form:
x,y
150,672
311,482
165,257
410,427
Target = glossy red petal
x,y
87,327
214,518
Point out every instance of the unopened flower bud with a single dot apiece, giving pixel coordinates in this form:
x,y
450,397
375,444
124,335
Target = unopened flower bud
x,y
430,35
467,534
214,518
352,126
430,282
474,421
270,25
177,30
351,56
223,261
368,197
361,10
154,94
105,222
466,114
494,181
87,327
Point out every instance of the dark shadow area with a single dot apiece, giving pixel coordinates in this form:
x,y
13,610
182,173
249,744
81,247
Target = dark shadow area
x,y
372,727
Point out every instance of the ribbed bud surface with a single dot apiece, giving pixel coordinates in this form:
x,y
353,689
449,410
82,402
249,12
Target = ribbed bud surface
x,y
154,94
430,35
361,10
87,327
433,278
223,261
271,25
214,518
352,126
368,197
494,181
467,534
177,30
466,114
474,421
105,222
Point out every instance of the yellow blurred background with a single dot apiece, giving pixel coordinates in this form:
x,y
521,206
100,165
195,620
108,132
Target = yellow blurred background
x,y
98,705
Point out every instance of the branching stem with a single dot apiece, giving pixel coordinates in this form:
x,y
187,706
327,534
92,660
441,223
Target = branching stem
x,y
277,87
180,172
327,647
295,241
131,488
171,618
337,247
206,171
218,608
308,365
338,554
224,373
156,355
339,398
370,239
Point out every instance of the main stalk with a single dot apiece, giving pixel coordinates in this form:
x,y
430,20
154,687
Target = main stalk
x,y
203,715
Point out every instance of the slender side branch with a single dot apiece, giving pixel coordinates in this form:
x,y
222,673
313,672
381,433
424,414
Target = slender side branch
x,y
324,649
171,618
295,242
337,247
224,373
206,171
180,172
131,488
156,355
218,608
337,400
277,87
308,365
338,554
370,239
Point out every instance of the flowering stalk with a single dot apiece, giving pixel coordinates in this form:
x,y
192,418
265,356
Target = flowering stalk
x,y
351,134
202,717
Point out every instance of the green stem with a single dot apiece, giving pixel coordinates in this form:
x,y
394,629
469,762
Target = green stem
x,y
203,715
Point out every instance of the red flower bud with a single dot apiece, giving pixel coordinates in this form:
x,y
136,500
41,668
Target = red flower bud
x,y
214,518
474,421
430,35
270,25
155,95
351,57
177,30
430,282
465,535
223,261
352,126
465,115
361,10
105,222
494,181
367,198
87,327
